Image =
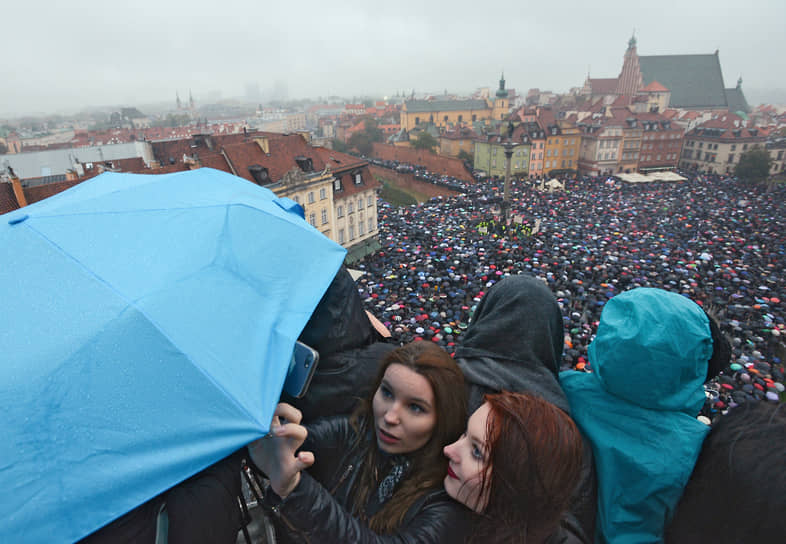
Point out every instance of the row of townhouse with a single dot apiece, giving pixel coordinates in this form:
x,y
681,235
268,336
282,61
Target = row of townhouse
x,y
337,191
716,145
614,140
618,140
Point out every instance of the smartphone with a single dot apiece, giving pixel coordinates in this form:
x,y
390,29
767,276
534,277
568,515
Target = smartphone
x,y
302,367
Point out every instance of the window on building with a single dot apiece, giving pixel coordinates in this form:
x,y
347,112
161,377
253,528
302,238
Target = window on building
x,y
494,163
516,164
312,218
352,232
311,197
369,201
361,228
744,147
322,193
370,224
417,120
350,207
340,211
360,203
460,118
324,216
337,184
474,117
340,236
493,150
358,179
731,157
297,199
570,164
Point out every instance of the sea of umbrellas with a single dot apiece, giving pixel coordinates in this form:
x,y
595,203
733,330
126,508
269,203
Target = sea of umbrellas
x,y
717,240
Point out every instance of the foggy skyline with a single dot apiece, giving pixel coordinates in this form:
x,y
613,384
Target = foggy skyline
x,y
69,56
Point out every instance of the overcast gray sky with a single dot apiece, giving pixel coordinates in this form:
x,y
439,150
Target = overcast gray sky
x,y
68,55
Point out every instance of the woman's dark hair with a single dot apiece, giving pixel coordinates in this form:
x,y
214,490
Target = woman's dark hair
x,y
534,464
742,459
428,464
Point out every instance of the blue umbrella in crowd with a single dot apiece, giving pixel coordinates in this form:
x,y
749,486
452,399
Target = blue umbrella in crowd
x,y
146,328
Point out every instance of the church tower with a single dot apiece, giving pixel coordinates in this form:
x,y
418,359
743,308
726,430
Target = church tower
x,y
630,80
501,101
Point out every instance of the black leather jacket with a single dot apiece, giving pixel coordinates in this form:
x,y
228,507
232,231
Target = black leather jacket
x,y
317,510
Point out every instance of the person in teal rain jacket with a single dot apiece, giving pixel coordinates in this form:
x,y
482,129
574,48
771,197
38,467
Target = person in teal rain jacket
x,y
638,407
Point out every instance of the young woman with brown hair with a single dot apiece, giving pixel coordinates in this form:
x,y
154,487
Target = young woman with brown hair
x,y
516,467
377,476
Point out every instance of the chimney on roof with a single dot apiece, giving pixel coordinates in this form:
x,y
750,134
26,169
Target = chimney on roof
x,y
19,193
263,144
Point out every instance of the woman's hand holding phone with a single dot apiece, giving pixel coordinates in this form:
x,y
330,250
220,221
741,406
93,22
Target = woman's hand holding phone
x,y
276,454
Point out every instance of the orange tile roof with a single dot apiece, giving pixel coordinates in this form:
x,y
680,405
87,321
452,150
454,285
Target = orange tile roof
x,y
604,85
40,192
655,87
8,201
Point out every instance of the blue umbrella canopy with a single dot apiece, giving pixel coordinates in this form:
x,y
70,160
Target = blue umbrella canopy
x,y
146,328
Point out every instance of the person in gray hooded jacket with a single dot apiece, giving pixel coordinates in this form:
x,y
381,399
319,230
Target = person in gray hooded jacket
x,y
514,342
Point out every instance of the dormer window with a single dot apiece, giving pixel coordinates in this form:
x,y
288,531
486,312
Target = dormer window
x,y
259,173
337,184
305,164
358,178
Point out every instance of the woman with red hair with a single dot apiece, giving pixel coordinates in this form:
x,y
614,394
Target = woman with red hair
x,y
516,467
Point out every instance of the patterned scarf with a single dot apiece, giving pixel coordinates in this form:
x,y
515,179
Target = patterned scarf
x,y
399,465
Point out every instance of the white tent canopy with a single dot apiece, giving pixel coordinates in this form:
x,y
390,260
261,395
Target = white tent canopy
x,y
649,178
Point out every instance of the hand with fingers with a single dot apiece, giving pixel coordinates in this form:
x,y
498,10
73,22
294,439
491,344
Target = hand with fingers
x,y
276,453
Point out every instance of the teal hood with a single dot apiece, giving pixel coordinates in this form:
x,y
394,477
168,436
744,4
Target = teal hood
x,y
638,408
652,349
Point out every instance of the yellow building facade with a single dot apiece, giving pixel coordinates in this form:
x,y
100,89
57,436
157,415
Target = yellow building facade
x,y
444,113
562,149
451,143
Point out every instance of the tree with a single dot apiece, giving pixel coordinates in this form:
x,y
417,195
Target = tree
x,y
361,142
372,131
754,165
340,146
424,141
465,155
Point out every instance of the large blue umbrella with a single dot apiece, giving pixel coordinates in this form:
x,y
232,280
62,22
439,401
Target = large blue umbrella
x,y
146,326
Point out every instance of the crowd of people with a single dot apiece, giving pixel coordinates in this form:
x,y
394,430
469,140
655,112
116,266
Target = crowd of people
x,y
421,173
716,240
